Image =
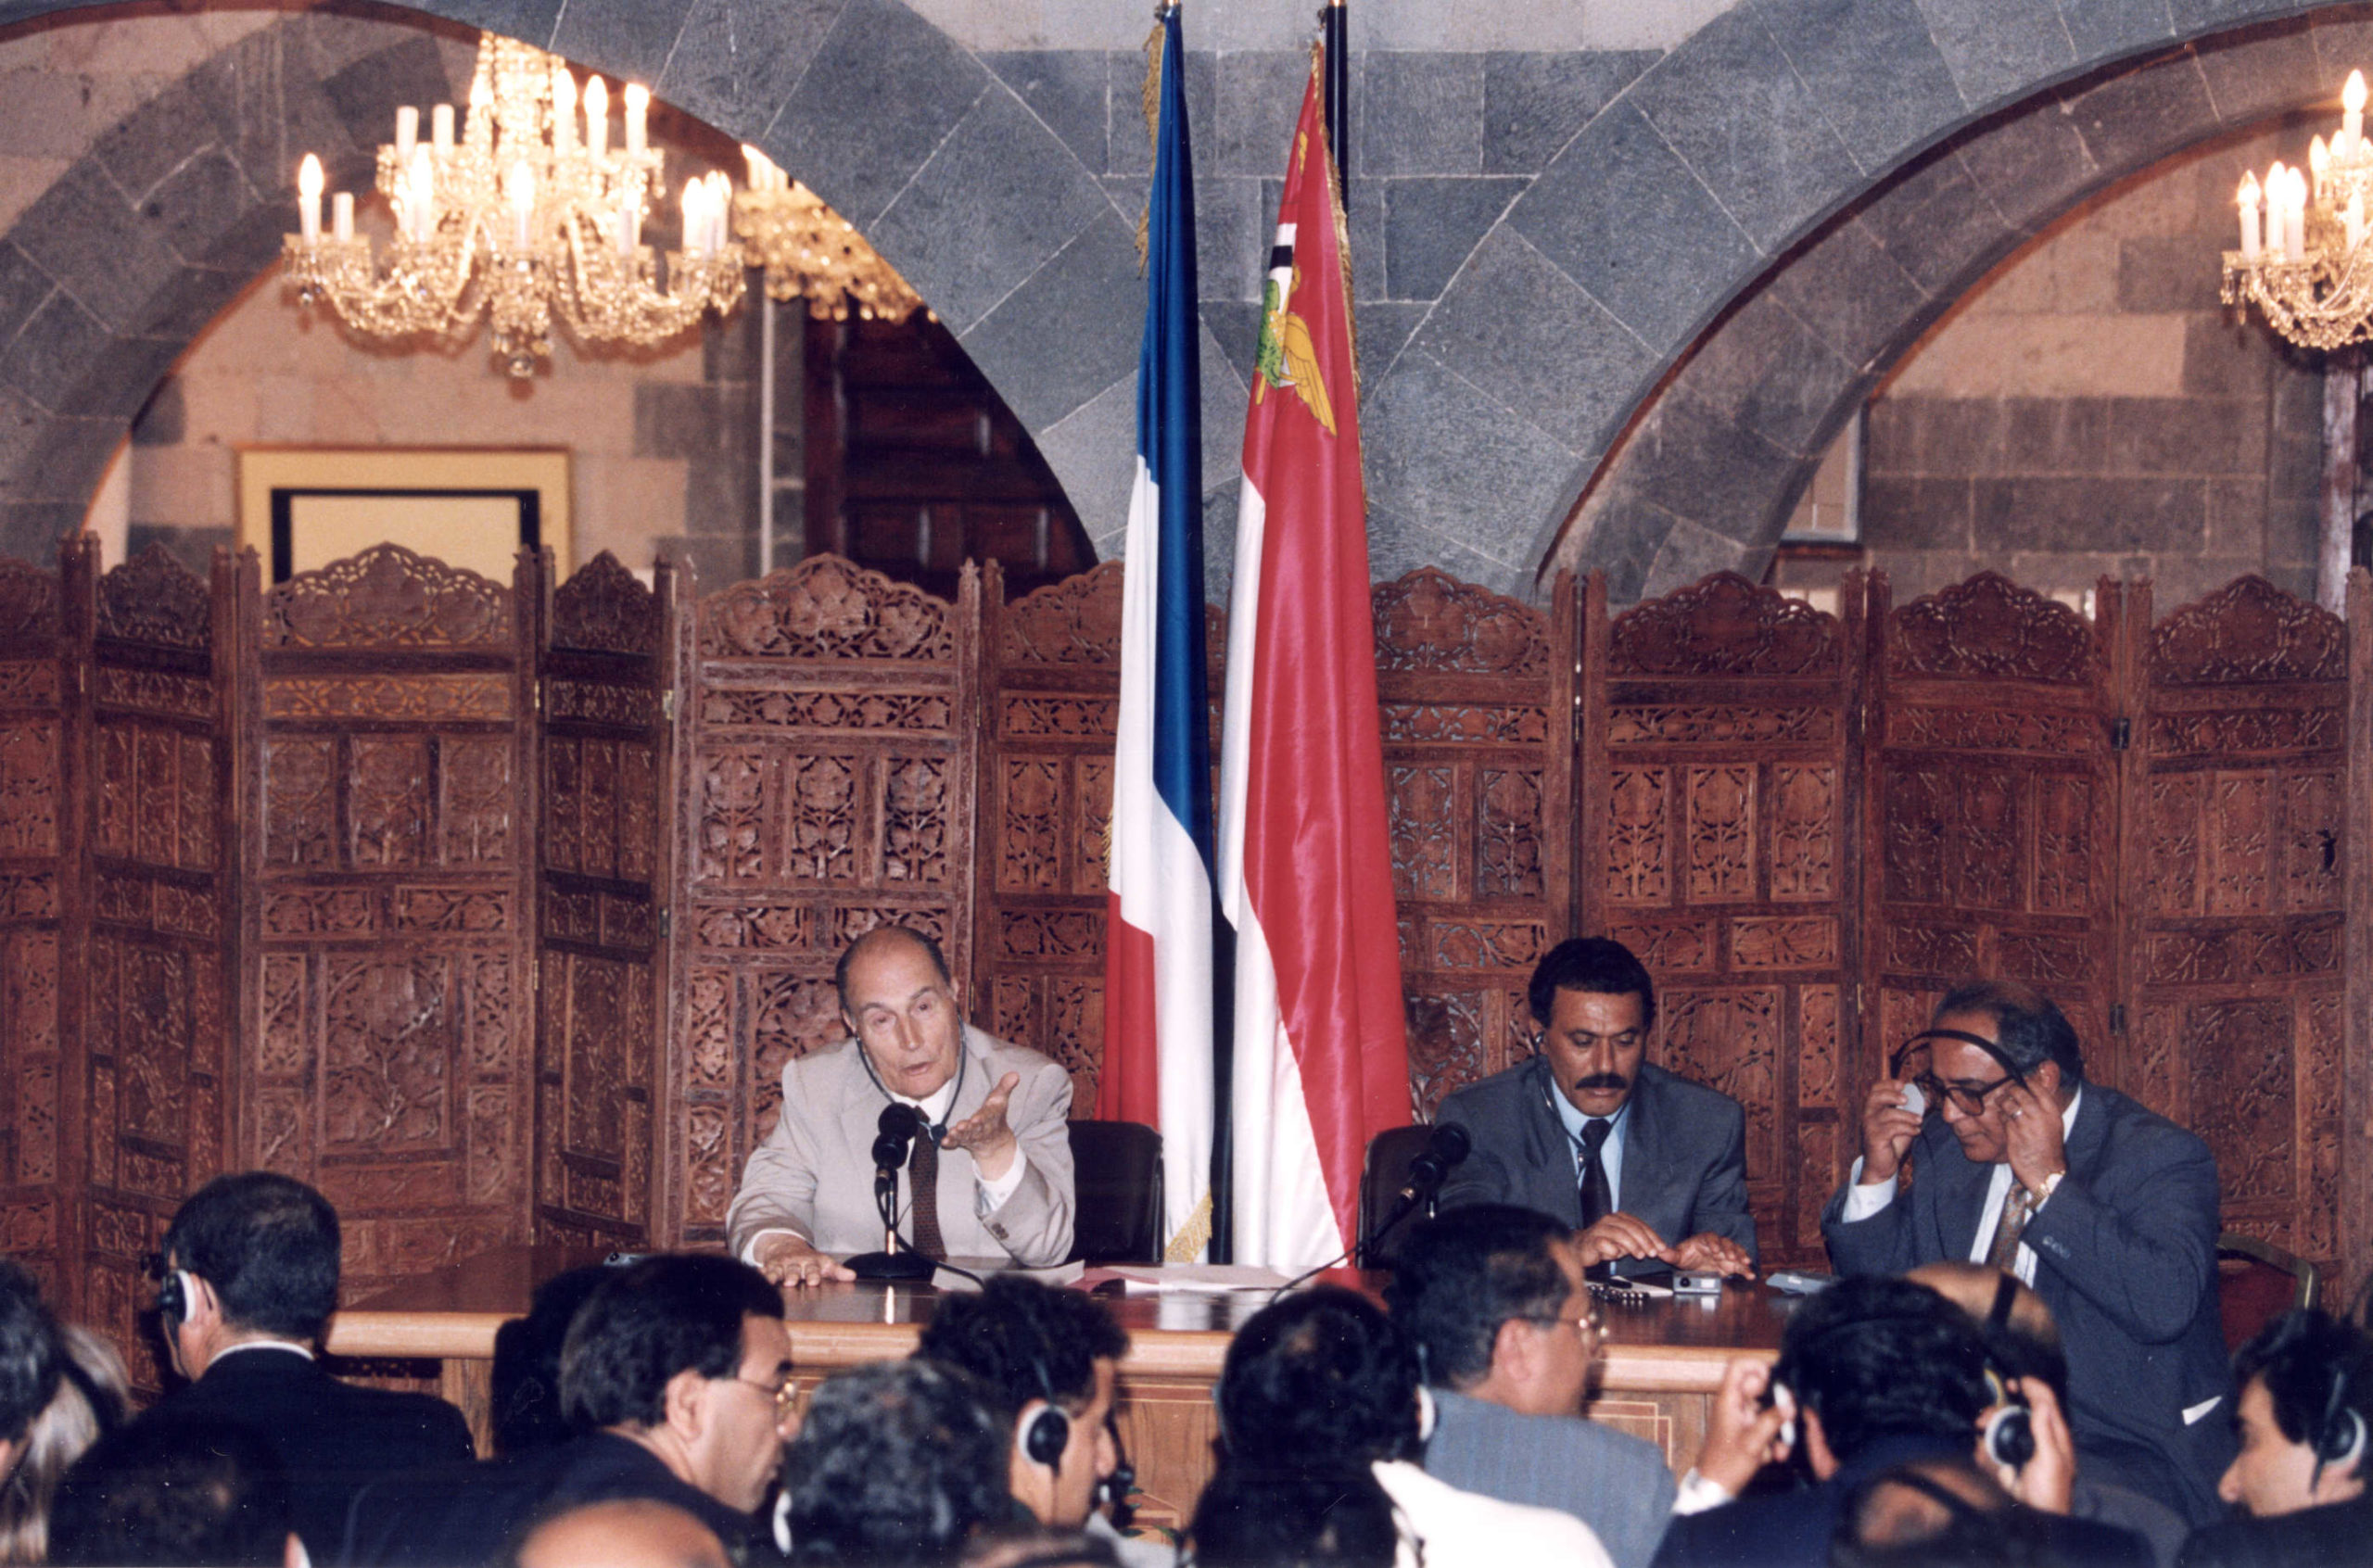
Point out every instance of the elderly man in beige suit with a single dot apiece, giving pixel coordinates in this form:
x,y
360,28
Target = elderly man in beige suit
x,y
989,1177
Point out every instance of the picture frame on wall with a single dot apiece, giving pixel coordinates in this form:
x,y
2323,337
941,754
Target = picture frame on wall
x,y
301,508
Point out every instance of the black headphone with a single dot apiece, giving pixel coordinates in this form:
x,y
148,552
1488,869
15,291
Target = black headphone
x,y
1048,1433
2338,1438
2010,1431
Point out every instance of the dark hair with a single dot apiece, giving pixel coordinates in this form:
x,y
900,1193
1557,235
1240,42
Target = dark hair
x,y
1940,1513
896,1466
1036,1545
1325,1516
676,1313
268,1244
1599,965
1320,1376
1882,1357
849,953
2030,1030
177,1491
1460,1276
1025,1341
526,1363
2302,1357
30,1357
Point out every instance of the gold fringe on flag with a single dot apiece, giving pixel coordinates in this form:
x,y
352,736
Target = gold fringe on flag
x,y
1151,97
1188,1246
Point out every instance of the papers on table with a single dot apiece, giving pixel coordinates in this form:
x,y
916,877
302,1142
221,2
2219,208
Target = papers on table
x,y
1193,1279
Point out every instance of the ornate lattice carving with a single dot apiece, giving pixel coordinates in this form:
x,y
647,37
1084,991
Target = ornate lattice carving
x,y
1817,1052
2227,732
1442,724
2224,954
1074,622
1729,1039
822,843
29,787
1783,941
1507,837
2171,844
826,608
1639,857
604,609
30,681
1422,804
2045,958
1669,947
1050,718
2063,882
1428,621
1990,628
1949,951
1721,834
867,712
1487,944
914,821
1725,625
2242,1104
1446,1032
476,697
387,1049
594,702
1987,847
1709,724
1029,825
153,598
2240,843
2248,632
1804,845
29,602
1994,729
387,597
2311,841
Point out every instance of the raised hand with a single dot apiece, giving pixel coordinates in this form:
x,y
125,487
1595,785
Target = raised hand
x,y
2033,1132
986,1133
1887,1131
1743,1433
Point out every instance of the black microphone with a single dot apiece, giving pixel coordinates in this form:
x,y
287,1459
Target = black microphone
x,y
1444,1150
898,1128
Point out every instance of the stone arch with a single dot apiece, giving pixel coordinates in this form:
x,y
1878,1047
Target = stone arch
x,y
1515,380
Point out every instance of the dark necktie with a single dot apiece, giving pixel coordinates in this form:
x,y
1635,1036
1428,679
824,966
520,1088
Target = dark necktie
x,y
2004,1253
923,1191
1598,1198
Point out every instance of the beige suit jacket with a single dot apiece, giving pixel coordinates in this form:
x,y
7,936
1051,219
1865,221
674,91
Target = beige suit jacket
x,y
814,1172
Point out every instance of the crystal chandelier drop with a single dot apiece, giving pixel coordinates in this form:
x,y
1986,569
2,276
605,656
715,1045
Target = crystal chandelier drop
x,y
527,216
808,249
2308,265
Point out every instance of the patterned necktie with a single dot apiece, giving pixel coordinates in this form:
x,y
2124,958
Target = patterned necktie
x,y
1598,1197
2004,1253
923,1191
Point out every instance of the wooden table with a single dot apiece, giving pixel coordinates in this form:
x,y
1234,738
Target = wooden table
x,y
1662,1362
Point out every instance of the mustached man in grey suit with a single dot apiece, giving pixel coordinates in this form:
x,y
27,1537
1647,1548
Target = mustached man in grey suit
x,y
991,1174
1649,1167
1493,1298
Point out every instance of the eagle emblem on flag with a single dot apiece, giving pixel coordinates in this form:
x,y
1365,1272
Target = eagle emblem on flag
x,y
1284,357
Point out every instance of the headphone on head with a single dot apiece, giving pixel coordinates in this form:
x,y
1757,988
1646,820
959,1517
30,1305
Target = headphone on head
x,y
1047,1432
175,1293
2338,1438
2010,1430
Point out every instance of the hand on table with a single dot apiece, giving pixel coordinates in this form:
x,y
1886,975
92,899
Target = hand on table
x,y
986,1133
1887,1131
788,1259
1622,1236
1708,1252
1742,1433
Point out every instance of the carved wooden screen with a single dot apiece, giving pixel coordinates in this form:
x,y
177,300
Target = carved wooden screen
x,y
1719,778
42,1159
391,884
1047,702
606,686
830,790
1477,716
160,957
1994,808
2236,862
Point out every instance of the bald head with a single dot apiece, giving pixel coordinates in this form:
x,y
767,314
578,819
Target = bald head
x,y
633,1532
882,938
1972,1287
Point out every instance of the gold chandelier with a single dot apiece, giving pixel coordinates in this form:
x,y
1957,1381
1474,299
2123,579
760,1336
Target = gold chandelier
x,y
523,219
2308,267
810,249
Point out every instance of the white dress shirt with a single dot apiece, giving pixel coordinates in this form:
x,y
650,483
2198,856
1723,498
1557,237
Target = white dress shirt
x,y
1610,1154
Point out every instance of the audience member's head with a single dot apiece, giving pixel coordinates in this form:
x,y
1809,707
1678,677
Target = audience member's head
x,y
1320,1376
1941,1513
2022,1339
173,1494
1036,1545
688,1354
1333,1515
623,1533
91,1401
526,1363
30,1360
251,1256
2306,1401
897,1464
1049,1359
1873,1358
1491,1299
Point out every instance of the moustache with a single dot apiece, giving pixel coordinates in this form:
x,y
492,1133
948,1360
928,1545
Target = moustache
x,y
1612,1082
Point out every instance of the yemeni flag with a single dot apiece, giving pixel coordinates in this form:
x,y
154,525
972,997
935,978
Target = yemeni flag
x,y
1321,1061
1158,992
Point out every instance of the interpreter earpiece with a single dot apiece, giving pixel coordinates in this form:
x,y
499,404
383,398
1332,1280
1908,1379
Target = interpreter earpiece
x,y
1047,1432
174,1297
2339,1436
2010,1431
1115,1489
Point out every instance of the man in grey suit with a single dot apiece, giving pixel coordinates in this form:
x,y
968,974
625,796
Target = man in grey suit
x,y
1648,1166
2107,1210
1506,1335
990,1174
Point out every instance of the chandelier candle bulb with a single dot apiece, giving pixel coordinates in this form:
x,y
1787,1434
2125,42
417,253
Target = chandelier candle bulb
x,y
407,132
2319,160
2351,104
2247,199
440,129
424,196
308,199
637,109
597,118
342,217
2294,220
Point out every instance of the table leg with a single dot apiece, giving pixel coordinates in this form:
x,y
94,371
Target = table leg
x,y
467,1384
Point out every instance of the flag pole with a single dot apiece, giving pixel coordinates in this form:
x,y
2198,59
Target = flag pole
x,y
1333,26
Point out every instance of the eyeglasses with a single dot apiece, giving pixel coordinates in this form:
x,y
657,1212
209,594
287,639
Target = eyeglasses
x,y
1969,1099
785,1393
1591,1321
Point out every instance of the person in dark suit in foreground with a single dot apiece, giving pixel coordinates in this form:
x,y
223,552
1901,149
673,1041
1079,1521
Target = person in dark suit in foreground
x,y
1492,1298
194,1493
251,1267
1648,1166
2304,1411
2108,1211
1880,1375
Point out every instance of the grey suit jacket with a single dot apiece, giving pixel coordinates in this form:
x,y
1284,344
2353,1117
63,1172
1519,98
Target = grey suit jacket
x,y
814,1173
1684,1153
2126,1258
1616,1484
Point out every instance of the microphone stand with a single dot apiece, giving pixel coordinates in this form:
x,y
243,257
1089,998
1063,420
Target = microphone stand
x,y
895,1262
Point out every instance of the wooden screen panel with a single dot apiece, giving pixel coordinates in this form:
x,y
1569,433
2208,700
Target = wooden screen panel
x,y
391,962
161,946
1476,695
1994,808
1717,760
606,671
43,1156
1049,698
830,790
2237,865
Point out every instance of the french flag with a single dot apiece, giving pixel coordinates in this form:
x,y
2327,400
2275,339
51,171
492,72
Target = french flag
x,y
1158,988
1321,1060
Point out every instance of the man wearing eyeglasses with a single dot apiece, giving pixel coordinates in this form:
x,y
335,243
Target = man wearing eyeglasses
x,y
2106,1209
